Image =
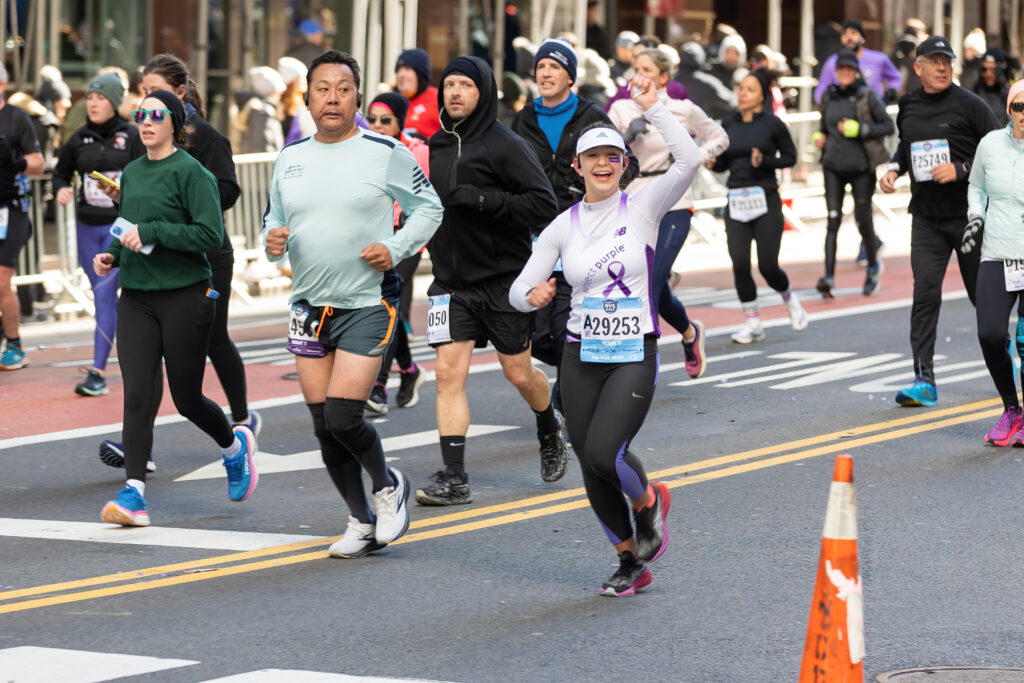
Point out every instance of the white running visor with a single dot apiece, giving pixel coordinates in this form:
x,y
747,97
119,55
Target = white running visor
x,y
599,137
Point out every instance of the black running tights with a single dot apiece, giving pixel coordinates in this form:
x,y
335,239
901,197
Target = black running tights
x,y
863,187
993,310
172,325
605,405
767,232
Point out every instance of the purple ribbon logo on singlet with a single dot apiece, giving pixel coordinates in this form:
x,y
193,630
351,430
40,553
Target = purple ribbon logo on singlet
x,y
617,279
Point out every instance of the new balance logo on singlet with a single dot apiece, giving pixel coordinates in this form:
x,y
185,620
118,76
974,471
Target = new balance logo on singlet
x,y
620,232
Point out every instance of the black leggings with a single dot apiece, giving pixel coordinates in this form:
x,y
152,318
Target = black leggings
x,y
863,187
223,354
605,405
993,310
399,349
173,325
767,232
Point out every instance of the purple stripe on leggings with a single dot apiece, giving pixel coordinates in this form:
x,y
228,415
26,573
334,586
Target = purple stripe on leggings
x,y
608,532
629,480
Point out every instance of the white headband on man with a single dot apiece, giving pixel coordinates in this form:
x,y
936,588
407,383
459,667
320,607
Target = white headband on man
x,y
599,137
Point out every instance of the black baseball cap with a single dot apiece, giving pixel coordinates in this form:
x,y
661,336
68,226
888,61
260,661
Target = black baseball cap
x,y
856,25
935,45
847,58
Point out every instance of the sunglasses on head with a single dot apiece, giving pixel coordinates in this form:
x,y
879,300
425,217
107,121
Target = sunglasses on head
x,y
385,120
1017,107
155,115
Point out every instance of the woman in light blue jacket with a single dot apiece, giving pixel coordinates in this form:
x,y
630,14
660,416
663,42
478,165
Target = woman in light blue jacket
x,y
995,205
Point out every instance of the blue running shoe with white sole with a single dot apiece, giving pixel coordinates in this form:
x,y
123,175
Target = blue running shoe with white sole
x,y
128,509
921,394
242,474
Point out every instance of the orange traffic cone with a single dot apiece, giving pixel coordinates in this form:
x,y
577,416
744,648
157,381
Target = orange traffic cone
x,y
834,650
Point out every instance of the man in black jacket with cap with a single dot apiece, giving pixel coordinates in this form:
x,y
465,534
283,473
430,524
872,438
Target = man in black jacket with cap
x,y
940,125
494,193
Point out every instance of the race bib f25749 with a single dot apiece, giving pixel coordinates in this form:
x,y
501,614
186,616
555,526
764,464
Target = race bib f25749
x,y
926,155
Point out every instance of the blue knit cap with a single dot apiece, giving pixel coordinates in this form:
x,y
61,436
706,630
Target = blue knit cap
x,y
559,50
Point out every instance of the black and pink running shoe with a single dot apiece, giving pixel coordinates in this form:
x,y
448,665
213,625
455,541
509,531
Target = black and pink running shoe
x,y
651,529
631,576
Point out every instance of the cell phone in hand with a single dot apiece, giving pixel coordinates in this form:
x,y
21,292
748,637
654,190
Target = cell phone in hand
x,y
104,180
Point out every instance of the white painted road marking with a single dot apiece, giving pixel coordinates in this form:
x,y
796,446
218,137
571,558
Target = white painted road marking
x,y
288,676
28,664
268,463
170,537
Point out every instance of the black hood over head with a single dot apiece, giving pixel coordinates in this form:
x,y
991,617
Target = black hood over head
x,y
486,112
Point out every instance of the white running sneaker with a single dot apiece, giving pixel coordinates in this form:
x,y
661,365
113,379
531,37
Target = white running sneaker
x,y
392,509
359,541
750,332
797,314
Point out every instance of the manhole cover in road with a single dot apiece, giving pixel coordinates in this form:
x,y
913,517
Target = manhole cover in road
x,y
953,674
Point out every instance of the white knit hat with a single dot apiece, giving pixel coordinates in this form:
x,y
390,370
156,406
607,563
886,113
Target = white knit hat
x,y
290,68
976,40
736,42
265,81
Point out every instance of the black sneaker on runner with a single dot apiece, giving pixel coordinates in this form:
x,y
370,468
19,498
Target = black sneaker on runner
x,y
112,453
554,455
631,576
651,530
825,286
445,488
378,401
408,390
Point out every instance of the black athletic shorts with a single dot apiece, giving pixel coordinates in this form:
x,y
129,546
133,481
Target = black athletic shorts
x,y
18,232
483,314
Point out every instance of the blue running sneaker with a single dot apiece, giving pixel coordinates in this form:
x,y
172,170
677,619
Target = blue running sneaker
x,y
129,509
112,453
921,394
13,357
242,474
254,423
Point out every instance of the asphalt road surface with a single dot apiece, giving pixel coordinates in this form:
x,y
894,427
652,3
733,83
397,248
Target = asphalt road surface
x,y
505,589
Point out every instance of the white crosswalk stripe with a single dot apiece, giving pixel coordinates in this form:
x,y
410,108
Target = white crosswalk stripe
x,y
29,664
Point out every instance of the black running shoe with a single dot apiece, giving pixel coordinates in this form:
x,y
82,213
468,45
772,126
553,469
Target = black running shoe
x,y
554,455
93,385
408,390
631,576
378,401
445,488
651,530
825,286
112,453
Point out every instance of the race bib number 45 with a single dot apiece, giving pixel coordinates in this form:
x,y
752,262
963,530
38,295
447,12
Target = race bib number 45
x,y
304,333
612,330
747,203
926,155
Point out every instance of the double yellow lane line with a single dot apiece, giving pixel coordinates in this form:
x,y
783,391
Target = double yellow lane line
x,y
475,519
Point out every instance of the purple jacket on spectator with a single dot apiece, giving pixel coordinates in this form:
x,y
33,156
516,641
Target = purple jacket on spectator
x,y
676,90
876,68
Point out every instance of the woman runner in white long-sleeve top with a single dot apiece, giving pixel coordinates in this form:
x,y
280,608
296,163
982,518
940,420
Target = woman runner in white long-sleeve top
x,y
610,367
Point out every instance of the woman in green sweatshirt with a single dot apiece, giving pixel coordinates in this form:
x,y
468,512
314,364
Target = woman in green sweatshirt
x,y
169,216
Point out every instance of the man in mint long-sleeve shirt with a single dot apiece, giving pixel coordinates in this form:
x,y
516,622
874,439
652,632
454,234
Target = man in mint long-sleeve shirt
x,y
876,68
331,208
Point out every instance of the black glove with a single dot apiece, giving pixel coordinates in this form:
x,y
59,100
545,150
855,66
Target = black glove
x,y
469,196
890,96
972,234
635,129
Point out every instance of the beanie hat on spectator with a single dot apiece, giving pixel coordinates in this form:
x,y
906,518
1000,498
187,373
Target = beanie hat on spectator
x,y
736,42
110,86
290,68
416,59
559,50
398,105
266,81
975,41
856,26
765,80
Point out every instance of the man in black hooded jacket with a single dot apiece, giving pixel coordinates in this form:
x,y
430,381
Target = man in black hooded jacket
x,y
494,193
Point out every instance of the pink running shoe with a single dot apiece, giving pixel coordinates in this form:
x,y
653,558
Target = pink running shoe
x,y
1010,422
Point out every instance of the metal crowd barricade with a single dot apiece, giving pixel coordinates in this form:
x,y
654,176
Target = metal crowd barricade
x,y
245,218
67,275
